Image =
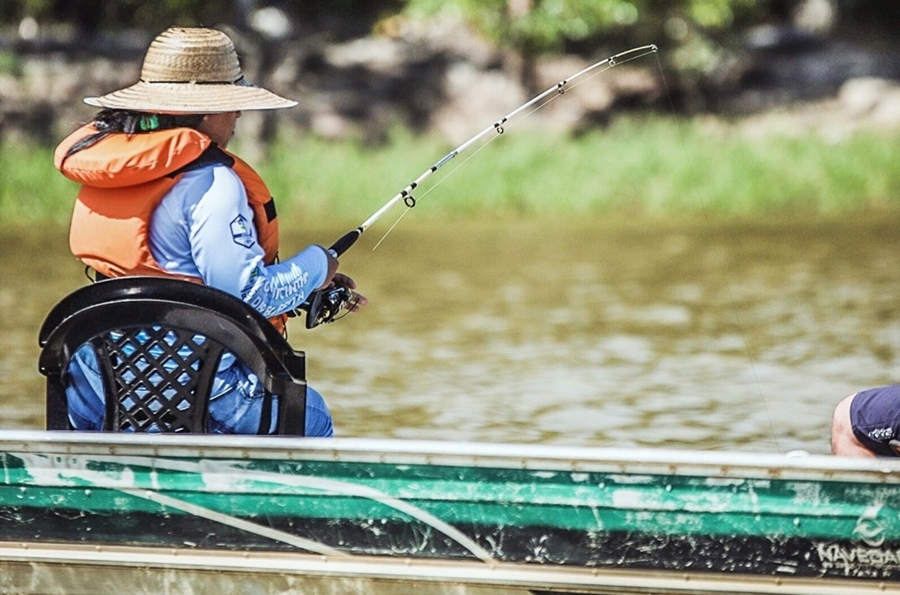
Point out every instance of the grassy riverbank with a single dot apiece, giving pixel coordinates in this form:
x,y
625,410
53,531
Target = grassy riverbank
x,y
634,167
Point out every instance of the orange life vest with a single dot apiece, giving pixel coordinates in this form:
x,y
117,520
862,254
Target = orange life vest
x,y
124,178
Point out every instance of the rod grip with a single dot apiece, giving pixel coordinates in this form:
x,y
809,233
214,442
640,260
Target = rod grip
x,y
344,242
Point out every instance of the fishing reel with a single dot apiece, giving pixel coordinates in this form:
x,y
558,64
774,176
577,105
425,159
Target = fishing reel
x,y
325,304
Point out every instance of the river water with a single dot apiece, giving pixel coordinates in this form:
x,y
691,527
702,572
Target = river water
x,y
692,334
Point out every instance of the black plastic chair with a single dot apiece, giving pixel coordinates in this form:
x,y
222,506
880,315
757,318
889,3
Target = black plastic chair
x,y
158,342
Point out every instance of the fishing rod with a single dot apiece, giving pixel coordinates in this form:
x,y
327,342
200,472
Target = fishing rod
x,y
325,304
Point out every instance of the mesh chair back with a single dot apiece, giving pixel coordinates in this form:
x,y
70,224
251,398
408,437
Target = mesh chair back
x,y
158,343
159,378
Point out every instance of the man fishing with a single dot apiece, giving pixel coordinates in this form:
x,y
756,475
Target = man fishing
x,y
161,195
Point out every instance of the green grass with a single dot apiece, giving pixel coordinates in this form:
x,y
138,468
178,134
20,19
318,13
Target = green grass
x,y
31,190
652,167
10,63
637,167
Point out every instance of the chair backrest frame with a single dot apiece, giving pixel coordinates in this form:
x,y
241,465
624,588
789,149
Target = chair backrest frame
x,y
133,302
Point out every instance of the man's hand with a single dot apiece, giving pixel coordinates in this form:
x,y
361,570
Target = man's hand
x,y
356,300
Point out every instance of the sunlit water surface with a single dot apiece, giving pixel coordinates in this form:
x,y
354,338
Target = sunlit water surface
x,y
677,335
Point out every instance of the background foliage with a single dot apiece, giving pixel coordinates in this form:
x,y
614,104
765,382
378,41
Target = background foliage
x,y
661,166
529,25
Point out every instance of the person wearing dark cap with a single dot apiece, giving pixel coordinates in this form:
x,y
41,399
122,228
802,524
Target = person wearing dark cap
x,y
867,423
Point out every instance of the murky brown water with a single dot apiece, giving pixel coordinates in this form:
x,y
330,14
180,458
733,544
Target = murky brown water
x,y
692,335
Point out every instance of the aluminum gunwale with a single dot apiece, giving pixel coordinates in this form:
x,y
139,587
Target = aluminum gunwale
x,y
723,464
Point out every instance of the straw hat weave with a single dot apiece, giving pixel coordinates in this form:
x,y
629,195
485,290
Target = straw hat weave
x,y
191,71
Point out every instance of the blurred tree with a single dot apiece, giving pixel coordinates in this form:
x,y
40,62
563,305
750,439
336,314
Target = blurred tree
x,y
92,15
538,26
530,26
152,16
535,27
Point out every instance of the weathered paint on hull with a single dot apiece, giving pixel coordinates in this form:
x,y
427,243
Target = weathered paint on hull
x,y
570,519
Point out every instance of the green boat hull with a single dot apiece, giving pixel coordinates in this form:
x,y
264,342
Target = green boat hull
x,y
315,514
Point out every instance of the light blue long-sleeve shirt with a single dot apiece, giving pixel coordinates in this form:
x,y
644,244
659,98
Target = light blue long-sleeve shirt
x,y
204,228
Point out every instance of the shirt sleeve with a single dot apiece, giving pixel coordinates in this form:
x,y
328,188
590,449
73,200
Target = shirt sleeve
x,y
225,251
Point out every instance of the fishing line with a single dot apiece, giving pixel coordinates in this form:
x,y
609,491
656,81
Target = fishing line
x,y
433,186
562,88
325,304
728,287
406,195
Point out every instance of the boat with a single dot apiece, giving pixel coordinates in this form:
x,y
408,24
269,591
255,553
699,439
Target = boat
x,y
183,513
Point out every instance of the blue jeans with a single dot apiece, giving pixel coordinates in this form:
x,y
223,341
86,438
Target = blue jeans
x,y
235,407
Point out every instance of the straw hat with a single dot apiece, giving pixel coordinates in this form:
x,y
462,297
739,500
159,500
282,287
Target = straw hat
x,y
191,71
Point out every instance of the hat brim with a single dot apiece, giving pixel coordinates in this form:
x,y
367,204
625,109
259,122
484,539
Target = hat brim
x,y
190,98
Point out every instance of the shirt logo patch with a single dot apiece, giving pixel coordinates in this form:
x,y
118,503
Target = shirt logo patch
x,y
240,231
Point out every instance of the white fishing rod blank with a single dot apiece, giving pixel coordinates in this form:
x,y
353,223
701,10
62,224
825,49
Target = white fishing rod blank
x,y
348,239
